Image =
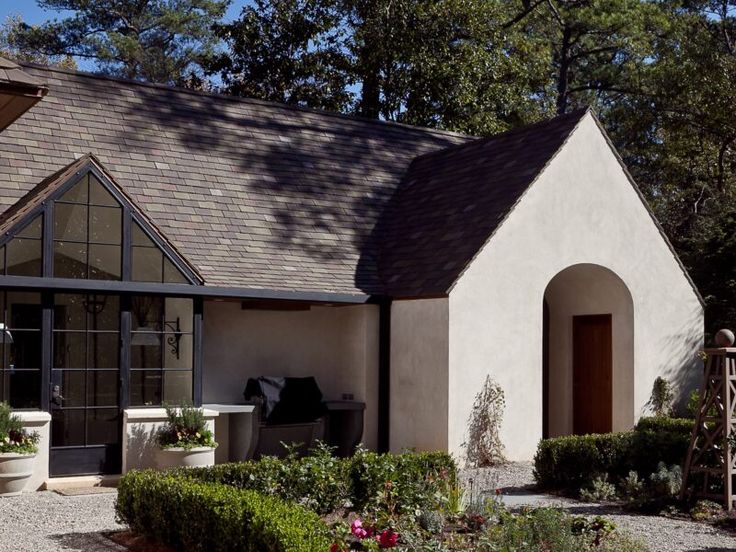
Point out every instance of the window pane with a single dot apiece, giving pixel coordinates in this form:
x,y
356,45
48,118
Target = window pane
x,y
102,388
24,310
71,386
140,237
69,312
102,426
105,225
33,230
24,388
181,308
147,264
98,194
103,312
2,260
172,275
177,387
145,387
70,260
67,428
23,257
104,262
145,350
103,350
70,349
178,351
77,193
70,222
147,313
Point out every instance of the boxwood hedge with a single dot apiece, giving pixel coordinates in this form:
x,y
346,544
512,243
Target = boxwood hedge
x,y
572,462
191,515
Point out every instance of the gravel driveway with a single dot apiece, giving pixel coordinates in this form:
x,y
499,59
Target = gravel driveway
x,y
46,522
659,533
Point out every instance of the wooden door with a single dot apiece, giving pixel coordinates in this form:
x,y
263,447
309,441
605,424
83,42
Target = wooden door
x,y
592,368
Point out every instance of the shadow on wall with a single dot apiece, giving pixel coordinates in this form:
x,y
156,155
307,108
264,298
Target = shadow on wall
x,y
142,446
684,367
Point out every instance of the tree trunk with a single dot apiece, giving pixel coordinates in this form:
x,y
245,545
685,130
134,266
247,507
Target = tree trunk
x,y
564,72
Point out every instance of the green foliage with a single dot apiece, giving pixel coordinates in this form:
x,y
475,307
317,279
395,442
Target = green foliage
x,y
599,490
397,483
185,428
13,437
573,462
704,510
632,487
666,482
154,40
662,397
191,515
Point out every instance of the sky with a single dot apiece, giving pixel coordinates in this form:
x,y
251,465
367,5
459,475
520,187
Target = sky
x,y
32,14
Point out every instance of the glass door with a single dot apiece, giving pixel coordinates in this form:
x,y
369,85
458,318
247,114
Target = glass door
x,y
85,385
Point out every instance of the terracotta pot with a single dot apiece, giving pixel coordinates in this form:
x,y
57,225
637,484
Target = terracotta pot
x,y
15,471
186,458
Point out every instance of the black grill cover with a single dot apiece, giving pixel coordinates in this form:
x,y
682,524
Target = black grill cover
x,y
287,400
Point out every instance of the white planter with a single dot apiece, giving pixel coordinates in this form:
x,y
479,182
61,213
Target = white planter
x,y
15,471
185,458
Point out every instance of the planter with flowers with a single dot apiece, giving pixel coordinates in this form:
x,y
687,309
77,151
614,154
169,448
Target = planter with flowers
x,y
185,441
18,449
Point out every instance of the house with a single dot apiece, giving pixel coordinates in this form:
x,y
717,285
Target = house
x,y
160,244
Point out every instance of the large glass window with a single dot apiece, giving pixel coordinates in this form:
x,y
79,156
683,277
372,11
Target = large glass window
x,y
85,369
20,349
22,255
149,264
161,350
88,232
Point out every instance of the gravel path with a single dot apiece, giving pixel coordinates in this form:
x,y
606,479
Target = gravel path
x,y
661,534
46,522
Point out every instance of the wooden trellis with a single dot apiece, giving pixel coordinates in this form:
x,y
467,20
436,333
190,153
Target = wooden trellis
x,y
709,465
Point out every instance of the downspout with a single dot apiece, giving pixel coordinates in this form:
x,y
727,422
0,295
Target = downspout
x,y
384,373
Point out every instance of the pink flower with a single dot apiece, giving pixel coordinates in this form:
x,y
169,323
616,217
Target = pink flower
x,y
356,528
387,538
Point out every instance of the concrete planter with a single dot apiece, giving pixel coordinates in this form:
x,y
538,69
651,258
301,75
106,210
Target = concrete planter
x,y
15,471
185,458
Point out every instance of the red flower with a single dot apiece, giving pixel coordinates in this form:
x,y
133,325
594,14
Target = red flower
x,y
387,538
335,547
498,491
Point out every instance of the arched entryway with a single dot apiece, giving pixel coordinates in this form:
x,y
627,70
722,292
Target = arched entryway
x,y
588,348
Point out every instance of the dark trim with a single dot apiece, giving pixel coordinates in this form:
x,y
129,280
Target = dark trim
x,y
47,326
47,241
127,253
124,374
197,375
384,374
118,286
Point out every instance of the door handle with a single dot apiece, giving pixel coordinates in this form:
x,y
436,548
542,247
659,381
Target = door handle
x,y
56,397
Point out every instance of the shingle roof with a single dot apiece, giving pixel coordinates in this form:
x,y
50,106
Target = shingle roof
x,y
19,91
252,194
452,201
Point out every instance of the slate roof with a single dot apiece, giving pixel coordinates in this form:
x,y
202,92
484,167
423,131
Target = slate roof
x,y
452,201
252,194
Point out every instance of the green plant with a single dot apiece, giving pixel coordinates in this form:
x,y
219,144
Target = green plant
x,y
483,446
13,437
666,482
185,428
600,489
192,515
431,521
705,510
631,486
661,398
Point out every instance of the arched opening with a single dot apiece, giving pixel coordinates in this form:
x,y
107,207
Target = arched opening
x,y
588,352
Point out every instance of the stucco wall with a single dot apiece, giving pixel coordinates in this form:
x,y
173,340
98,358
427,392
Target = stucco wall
x,y
336,345
580,290
419,363
582,209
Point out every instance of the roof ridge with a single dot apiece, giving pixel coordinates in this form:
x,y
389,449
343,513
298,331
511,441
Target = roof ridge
x,y
576,113
247,100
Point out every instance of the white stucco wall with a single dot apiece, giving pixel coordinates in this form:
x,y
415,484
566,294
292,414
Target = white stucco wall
x,y
419,376
582,209
336,345
39,422
583,290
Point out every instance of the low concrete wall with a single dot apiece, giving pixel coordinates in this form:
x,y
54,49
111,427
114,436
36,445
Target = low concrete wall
x,y
39,422
140,426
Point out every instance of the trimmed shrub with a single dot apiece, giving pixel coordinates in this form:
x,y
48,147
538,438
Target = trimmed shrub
x,y
399,482
573,462
192,515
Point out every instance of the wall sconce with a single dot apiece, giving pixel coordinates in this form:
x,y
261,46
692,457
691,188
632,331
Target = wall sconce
x,y
146,336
